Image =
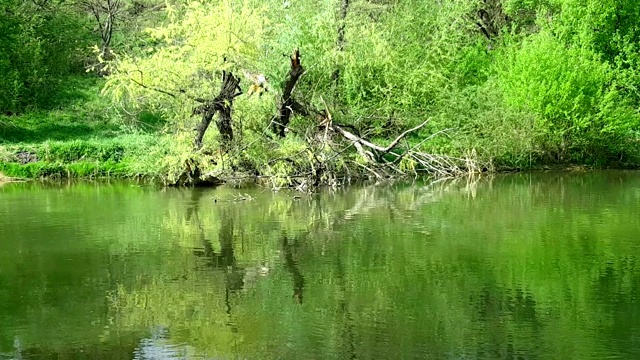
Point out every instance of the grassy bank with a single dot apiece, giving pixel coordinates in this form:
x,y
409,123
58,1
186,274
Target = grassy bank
x,y
81,137
4,179
86,137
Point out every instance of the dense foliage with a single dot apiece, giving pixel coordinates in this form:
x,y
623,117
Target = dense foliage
x,y
506,83
41,44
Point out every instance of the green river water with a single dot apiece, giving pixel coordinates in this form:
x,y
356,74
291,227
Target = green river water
x,y
524,266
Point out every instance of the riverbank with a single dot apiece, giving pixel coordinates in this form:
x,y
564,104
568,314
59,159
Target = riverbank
x,y
6,179
87,138
153,158
83,137
53,148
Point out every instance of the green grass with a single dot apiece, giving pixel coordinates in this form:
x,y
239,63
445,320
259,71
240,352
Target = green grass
x,y
61,170
83,137
112,157
80,113
56,125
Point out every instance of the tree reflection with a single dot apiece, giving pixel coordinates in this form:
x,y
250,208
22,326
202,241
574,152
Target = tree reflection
x,y
225,259
343,309
446,271
288,248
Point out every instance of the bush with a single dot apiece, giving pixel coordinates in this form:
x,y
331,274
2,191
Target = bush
x,y
568,91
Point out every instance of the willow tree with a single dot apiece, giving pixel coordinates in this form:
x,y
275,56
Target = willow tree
x,y
191,65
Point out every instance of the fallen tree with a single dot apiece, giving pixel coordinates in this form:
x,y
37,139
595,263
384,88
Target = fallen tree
x,y
332,140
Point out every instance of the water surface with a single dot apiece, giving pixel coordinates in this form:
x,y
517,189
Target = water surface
x,y
535,266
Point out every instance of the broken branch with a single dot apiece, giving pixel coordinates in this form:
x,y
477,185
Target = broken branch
x,y
373,146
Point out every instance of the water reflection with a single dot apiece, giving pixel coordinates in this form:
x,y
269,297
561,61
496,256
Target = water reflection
x,y
288,248
536,266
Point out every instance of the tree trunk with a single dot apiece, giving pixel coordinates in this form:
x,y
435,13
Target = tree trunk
x,y
207,116
223,105
287,103
106,13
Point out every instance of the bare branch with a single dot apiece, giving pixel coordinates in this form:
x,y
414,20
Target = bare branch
x,y
153,88
371,145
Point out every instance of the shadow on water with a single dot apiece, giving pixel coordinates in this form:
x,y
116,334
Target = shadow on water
x,y
348,330
225,259
124,350
493,306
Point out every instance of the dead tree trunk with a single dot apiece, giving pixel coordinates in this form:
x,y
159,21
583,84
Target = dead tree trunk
x,y
491,18
221,104
287,103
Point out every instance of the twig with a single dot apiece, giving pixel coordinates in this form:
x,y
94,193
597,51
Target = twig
x,y
141,83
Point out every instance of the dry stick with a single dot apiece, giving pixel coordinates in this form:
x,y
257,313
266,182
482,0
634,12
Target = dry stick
x,y
368,169
181,91
446,164
338,153
443,165
328,119
153,88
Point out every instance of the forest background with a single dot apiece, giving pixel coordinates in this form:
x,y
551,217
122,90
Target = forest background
x,y
316,92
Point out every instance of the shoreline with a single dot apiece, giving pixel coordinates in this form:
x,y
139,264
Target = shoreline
x,y
240,179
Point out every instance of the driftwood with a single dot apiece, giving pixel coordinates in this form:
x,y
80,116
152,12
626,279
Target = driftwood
x,y
221,104
360,141
287,103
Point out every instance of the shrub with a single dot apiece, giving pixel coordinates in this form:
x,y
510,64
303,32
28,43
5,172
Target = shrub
x,y
568,91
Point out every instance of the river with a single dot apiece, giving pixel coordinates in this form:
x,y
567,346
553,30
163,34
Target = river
x,y
521,266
